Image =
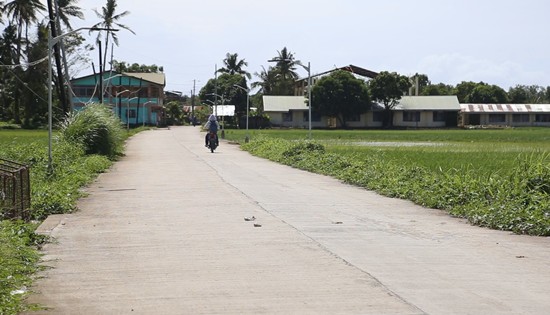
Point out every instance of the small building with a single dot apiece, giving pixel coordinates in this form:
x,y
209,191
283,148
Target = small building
x,y
505,115
426,111
291,112
136,98
410,111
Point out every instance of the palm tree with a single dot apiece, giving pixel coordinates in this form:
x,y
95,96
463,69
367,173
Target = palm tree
x,y
268,81
109,19
8,55
234,66
21,13
35,78
286,64
285,69
1,10
66,9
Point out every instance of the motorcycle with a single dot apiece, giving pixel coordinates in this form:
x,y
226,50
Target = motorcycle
x,y
212,141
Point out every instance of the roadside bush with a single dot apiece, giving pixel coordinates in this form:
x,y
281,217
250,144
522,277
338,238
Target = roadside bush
x,y
96,129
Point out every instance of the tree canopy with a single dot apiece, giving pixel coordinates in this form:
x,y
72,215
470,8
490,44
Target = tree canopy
x,y
123,66
227,93
234,66
340,95
387,88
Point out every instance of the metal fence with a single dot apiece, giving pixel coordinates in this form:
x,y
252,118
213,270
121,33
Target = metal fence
x,y
15,190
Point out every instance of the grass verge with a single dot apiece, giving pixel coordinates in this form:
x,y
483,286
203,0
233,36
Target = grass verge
x,y
514,199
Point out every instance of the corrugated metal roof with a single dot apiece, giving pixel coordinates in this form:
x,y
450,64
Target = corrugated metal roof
x,y
157,78
276,103
505,108
431,102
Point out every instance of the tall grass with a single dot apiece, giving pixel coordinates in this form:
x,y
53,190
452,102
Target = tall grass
x,y
96,129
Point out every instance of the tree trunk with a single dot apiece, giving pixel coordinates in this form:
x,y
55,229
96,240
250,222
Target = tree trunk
x,y
60,88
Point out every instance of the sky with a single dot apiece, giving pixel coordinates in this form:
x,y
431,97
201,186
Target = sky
x,y
504,42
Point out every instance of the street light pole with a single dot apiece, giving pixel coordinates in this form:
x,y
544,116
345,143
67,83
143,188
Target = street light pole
x,y
116,100
309,83
216,102
145,111
128,112
247,138
309,95
51,42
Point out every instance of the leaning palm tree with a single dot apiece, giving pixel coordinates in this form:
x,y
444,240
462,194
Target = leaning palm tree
x,y
109,19
234,66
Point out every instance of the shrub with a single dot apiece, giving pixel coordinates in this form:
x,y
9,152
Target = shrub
x,y
96,129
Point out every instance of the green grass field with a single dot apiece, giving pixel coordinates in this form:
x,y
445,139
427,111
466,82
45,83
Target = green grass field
x,y
487,151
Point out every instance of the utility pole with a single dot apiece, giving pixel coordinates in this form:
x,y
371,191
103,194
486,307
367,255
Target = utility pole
x,y
216,90
60,88
193,100
100,96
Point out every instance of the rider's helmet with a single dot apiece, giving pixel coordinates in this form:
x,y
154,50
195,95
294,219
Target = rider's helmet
x,y
212,118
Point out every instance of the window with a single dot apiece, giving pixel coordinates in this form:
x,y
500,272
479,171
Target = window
x,y
83,91
352,118
520,118
315,116
497,118
438,116
411,116
287,117
378,116
542,118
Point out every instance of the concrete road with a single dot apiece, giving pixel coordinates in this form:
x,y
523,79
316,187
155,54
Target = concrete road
x,y
164,233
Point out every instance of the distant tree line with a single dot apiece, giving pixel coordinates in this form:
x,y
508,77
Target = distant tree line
x,y
342,95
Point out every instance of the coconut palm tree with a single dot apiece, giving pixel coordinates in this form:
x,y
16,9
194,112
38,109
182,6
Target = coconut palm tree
x,y
64,9
110,19
8,55
285,69
21,13
286,64
267,82
234,66
67,9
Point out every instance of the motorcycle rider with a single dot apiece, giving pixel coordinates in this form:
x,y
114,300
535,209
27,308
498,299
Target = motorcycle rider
x,y
211,125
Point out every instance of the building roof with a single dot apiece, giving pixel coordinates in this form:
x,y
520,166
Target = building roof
x,y
277,103
431,102
91,79
505,108
157,78
351,68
